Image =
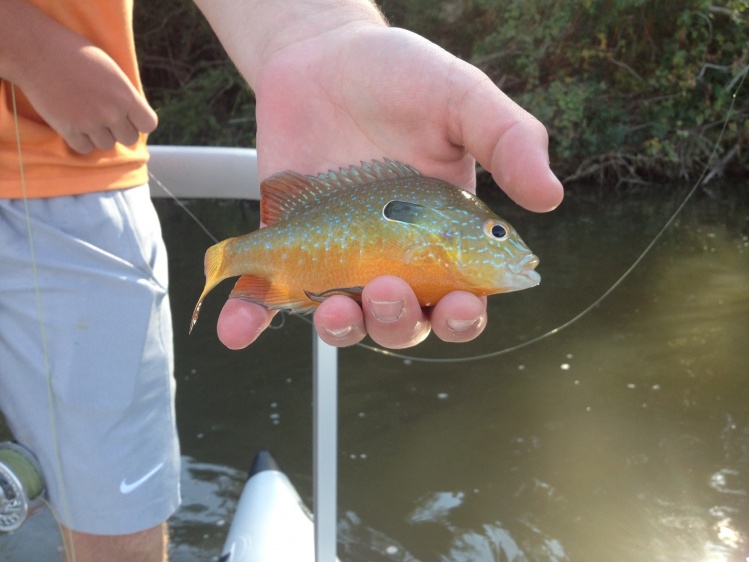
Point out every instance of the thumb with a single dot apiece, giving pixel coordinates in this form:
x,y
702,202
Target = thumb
x,y
508,141
241,323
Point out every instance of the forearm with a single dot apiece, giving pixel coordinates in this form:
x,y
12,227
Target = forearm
x,y
25,34
251,31
77,88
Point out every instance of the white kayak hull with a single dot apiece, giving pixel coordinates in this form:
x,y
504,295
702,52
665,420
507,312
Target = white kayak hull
x,y
272,523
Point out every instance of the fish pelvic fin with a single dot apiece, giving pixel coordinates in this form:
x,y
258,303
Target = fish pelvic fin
x,y
214,274
271,295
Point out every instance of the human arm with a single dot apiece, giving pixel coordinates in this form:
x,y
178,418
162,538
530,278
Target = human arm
x,y
336,86
74,86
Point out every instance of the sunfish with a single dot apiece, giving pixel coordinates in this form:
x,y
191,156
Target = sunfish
x,y
333,233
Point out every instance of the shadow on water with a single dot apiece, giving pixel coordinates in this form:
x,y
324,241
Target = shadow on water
x,y
623,437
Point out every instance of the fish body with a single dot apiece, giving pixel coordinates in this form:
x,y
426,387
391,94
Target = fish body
x,y
333,233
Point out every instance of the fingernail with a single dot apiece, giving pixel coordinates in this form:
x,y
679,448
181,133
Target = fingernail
x,y
462,325
387,312
340,333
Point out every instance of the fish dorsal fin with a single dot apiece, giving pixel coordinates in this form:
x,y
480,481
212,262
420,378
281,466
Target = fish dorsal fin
x,y
287,193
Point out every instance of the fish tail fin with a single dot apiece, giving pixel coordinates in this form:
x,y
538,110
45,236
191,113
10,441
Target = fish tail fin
x,y
214,274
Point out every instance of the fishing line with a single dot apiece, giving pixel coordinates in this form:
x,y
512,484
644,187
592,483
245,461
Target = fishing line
x,y
740,79
281,317
737,81
68,545
184,208
414,358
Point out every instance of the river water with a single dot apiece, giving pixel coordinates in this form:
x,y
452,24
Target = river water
x,y
624,437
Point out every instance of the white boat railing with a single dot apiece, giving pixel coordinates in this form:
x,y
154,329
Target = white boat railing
x,y
205,172
231,173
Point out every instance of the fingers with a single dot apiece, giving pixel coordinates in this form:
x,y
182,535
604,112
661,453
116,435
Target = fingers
x,y
140,118
389,313
122,125
339,321
102,138
241,322
459,317
79,142
507,140
124,132
392,314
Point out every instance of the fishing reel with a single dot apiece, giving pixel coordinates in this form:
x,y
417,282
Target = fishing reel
x,y
21,485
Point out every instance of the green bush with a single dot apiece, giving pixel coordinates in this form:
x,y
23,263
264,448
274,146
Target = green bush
x,y
198,94
630,90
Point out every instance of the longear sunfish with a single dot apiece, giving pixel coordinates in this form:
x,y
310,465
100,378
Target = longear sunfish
x,y
333,233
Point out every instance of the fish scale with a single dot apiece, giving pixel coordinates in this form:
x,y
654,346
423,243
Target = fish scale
x,y
333,233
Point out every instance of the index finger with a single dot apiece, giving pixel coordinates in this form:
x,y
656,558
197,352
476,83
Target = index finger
x,y
142,116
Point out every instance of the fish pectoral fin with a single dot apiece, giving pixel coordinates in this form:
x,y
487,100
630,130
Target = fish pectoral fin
x,y
351,292
413,240
263,292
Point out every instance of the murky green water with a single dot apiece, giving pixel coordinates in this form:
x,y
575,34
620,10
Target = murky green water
x,y
624,437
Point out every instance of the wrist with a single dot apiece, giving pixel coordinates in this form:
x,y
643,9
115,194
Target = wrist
x,y
253,31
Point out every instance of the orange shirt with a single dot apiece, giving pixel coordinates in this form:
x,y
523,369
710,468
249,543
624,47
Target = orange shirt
x,y
50,167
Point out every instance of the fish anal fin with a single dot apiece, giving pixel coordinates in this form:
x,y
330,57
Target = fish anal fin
x,y
263,292
251,288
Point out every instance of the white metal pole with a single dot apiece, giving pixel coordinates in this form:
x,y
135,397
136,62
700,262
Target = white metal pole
x,y
325,448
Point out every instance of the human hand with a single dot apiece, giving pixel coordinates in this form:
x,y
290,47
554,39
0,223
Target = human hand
x,y
369,92
73,85
90,102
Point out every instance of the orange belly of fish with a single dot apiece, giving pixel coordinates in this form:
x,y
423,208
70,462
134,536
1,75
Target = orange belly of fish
x,y
318,274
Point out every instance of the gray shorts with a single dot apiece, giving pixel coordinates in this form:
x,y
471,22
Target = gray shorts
x,y
86,362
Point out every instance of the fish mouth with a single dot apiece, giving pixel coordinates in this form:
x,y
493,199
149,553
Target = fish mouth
x,y
529,262
532,277
522,274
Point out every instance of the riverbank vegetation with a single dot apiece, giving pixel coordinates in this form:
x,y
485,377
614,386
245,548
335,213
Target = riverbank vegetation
x,y
631,91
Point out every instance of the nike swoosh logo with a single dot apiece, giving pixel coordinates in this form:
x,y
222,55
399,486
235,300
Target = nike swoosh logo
x,y
126,488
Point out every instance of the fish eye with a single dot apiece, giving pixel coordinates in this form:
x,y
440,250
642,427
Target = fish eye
x,y
496,230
